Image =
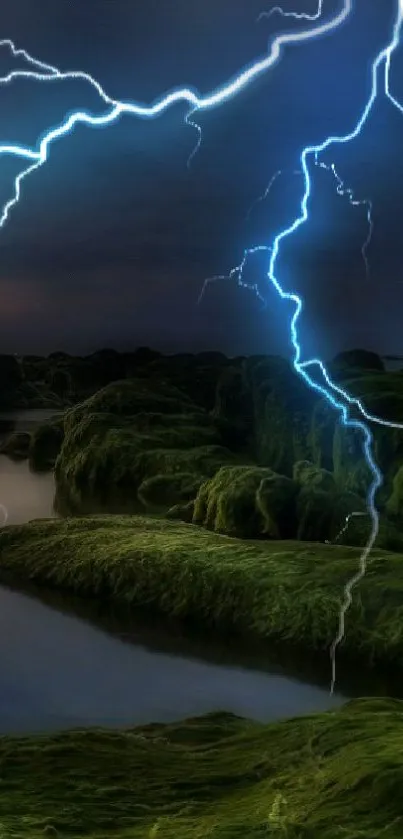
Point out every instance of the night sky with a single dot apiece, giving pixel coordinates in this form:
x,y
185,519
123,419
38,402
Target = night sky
x,y
114,237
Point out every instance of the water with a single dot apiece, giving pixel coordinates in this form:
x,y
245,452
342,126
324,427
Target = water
x,y
67,663
58,671
24,494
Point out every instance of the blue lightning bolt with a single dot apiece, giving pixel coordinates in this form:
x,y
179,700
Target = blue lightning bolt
x,y
267,191
345,527
342,190
277,10
332,391
47,73
337,396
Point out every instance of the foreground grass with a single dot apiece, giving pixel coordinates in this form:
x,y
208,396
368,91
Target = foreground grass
x,y
327,776
285,590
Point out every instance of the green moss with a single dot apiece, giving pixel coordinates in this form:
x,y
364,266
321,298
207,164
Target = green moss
x,y
129,441
288,590
133,396
322,514
182,512
282,411
16,445
275,498
234,502
326,776
307,474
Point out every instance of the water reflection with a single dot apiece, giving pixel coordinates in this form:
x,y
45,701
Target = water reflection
x,y
24,494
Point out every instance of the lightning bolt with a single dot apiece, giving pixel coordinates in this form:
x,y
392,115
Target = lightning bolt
x,y
267,191
114,109
277,10
342,190
331,391
47,73
237,273
345,527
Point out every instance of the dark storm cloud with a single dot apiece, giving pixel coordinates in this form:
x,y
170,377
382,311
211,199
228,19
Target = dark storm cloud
x,y
113,239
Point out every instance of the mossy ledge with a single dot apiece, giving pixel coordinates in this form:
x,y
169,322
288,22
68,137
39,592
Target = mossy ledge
x,y
325,776
284,590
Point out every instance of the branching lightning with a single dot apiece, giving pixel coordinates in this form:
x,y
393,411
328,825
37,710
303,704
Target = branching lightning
x,y
114,109
342,190
237,273
345,527
277,10
267,191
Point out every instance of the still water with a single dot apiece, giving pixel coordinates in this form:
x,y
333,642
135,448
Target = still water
x,y
24,494
65,664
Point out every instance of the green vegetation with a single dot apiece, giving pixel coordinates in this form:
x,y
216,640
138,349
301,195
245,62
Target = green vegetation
x,y
325,776
137,439
152,429
284,590
247,501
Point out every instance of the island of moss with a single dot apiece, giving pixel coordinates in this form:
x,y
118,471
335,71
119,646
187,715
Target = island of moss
x,y
324,776
284,590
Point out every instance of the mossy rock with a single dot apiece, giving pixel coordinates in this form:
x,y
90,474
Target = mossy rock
x,y
182,512
282,414
114,446
257,588
322,514
307,474
247,501
162,491
16,446
132,396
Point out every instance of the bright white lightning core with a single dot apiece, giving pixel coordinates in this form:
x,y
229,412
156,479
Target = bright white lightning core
x,y
338,397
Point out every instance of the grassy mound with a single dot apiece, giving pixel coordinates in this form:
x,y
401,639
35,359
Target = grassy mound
x,y
142,441
326,776
283,590
245,501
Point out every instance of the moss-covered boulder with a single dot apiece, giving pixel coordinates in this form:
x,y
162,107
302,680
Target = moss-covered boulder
x,y
162,490
306,473
182,512
282,406
137,440
246,501
323,514
16,445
